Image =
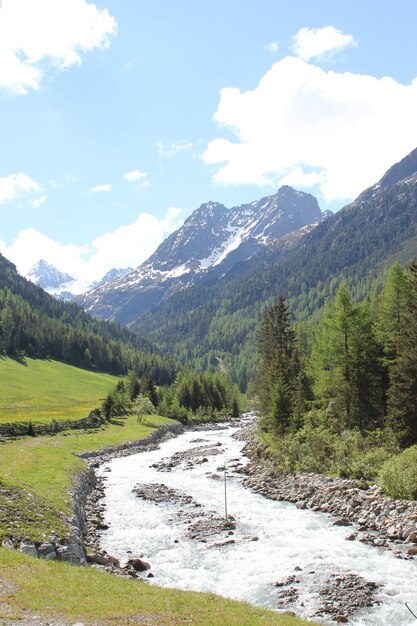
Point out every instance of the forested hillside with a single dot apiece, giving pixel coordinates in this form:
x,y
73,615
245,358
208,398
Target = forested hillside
x,y
358,244
35,324
347,406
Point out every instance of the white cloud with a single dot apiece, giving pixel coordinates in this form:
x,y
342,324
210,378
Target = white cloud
x,y
35,36
16,185
302,124
100,188
167,152
134,176
315,42
39,201
272,46
126,246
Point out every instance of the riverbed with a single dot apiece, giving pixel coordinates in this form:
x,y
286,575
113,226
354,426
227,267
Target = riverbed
x,y
269,553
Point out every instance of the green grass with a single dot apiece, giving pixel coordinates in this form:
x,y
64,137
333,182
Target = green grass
x,y
44,468
40,390
97,598
35,476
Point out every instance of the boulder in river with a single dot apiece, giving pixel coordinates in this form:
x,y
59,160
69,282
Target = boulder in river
x,y
139,565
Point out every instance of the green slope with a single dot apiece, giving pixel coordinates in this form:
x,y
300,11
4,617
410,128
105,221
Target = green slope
x,y
357,245
35,324
40,390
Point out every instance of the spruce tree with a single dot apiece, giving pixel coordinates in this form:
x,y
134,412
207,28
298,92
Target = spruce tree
x,y
402,394
280,370
346,364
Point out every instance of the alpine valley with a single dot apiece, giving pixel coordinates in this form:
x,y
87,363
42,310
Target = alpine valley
x,y
201,294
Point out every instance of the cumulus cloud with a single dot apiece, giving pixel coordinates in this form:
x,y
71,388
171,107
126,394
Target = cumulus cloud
x,y
99,188
37,36
39,201
16,185
128,245
311,127
135,176
167,152
315,42
272,46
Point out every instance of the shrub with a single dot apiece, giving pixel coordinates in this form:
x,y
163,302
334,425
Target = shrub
x,y
398,476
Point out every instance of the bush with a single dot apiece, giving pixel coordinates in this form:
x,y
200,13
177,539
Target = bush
x,y
398,476
316,448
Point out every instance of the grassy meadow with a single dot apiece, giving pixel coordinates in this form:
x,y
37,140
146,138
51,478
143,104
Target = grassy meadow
x,y
39,390
44,467
35,476
56,589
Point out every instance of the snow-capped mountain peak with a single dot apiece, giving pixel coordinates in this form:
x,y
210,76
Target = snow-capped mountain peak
x,y
210,241
47,276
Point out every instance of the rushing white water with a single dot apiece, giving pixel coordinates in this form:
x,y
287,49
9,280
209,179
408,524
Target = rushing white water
x,y
246,570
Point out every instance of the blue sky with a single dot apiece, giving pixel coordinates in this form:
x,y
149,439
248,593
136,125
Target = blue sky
x,y
119,118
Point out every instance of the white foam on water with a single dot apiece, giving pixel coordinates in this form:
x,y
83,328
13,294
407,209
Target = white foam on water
x,y
246,570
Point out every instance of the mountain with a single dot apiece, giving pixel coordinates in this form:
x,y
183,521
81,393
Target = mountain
x,y
62,285
208,244
35,324
218,321
113,274
48,277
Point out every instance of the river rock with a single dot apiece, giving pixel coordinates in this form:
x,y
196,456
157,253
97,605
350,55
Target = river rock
x,y
7,543
72,553
47,551
29,548
138,565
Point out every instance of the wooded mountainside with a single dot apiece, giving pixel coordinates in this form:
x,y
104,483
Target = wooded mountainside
x,y
35,324
348,404
218,321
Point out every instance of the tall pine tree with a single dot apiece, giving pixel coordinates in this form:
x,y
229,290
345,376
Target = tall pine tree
x,y
402,394
280,372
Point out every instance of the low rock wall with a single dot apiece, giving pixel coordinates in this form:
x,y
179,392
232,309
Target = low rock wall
x,y
71,548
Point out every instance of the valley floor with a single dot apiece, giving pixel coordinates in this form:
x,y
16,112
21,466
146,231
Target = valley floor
x,y
38,592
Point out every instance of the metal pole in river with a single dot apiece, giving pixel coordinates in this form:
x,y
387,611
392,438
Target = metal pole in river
x,y
225,492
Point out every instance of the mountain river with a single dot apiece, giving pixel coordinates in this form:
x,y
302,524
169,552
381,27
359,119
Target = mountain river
x,y
270,540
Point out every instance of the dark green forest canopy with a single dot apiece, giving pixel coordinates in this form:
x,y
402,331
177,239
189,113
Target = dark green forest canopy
x,y
349,404
218,321
34,323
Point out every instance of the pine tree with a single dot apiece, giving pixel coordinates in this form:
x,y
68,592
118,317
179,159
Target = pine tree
x,y
132,385
280,393
346,365
402,394
235,408
393,307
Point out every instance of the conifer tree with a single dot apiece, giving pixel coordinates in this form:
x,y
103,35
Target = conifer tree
x,y
346,364
280,370
402,394
235,408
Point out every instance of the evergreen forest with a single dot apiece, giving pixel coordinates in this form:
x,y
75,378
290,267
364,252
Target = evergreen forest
x,y
34,324
344,402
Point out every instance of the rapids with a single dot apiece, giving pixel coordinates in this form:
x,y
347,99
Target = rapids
x,y
273,540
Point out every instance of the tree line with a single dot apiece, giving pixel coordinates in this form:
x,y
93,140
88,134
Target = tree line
x,y
34,324
190,395
353,379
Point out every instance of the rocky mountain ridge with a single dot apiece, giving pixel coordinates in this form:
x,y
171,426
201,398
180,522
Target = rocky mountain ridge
x,y
48,276
212,239
62,285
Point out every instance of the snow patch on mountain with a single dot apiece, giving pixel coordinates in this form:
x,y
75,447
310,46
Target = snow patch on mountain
x,y
210,241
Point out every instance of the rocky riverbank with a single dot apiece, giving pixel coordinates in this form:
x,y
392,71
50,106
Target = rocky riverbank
x,y
368,515
206,525
72,546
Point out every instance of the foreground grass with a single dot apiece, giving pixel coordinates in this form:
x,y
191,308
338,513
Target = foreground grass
x,y
94,597
37,472
39,390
